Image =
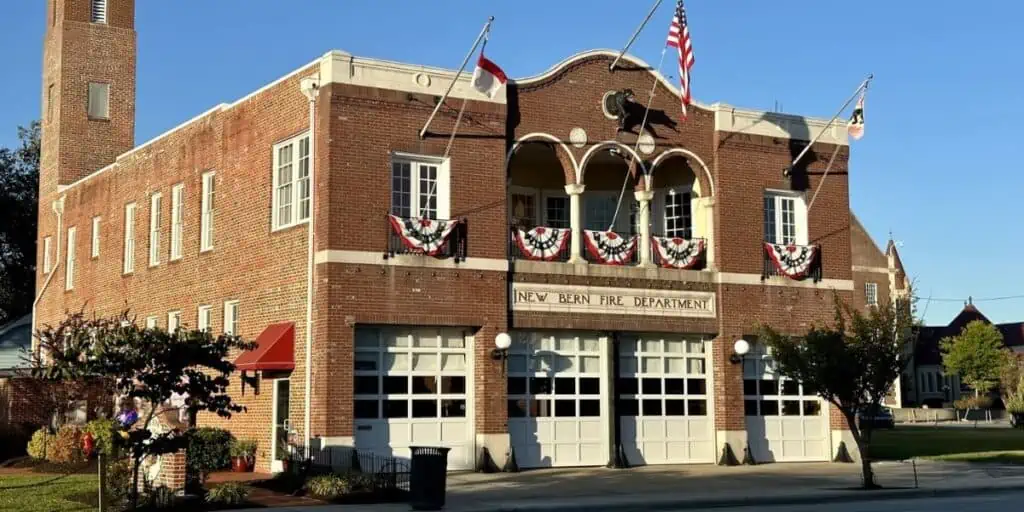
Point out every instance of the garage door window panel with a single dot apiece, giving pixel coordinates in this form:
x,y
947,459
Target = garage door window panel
x,y
672,378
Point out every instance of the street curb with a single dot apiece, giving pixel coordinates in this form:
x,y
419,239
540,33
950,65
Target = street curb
x,y
682,503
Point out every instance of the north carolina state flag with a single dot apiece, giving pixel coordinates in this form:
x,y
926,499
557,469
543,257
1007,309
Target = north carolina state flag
x,y
488,78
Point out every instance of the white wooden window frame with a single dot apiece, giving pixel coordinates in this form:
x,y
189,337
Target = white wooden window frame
x,y
177,220
46,255
152,322
98,100
156,206
291,195
69,266
443,182
543,206
799,211
621,221
871,294
208,210
231,313
128,262
173,320
94,251
204,317
515,190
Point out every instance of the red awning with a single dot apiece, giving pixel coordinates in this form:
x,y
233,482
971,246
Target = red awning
x,y
275,350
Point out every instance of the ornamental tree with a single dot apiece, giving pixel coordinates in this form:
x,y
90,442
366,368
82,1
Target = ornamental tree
x,y
978,355
164,372
852,363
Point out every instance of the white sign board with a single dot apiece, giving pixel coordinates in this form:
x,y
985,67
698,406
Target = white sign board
x,y
555,298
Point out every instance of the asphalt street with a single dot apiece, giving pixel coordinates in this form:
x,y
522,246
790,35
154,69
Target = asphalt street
x,y
985,502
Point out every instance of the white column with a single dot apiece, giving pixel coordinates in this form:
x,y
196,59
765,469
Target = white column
x,y
575,192
644,197
704,224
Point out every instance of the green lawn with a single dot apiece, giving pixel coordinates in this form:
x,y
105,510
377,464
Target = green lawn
x,y
37,493
949,443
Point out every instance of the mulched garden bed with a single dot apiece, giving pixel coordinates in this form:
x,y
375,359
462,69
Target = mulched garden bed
x,y
29,464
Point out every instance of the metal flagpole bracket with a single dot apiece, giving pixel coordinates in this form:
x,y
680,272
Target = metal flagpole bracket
x,y
483,34
863,85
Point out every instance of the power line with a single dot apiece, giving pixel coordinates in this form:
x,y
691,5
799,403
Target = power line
x,y
970,299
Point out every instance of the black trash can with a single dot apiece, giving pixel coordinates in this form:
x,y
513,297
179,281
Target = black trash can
x,y
428,477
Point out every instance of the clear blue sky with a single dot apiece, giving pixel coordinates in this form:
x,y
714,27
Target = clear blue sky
x,y
938,165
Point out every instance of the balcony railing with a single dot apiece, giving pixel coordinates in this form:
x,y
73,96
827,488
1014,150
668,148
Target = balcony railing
x,y
797,262
541,243
679,253
437,238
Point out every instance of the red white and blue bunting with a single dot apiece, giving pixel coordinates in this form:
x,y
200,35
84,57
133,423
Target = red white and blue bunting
x,y
609,247
677,252
426,236
793,261
542,243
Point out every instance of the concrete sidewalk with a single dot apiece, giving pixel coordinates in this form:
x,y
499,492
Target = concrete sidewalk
x,y
699,487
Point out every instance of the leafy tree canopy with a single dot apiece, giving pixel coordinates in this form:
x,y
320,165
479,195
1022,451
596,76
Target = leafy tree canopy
x,y
19,197
978,355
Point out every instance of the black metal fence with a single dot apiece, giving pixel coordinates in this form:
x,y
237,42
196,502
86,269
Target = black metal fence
x,y
388,475
453,247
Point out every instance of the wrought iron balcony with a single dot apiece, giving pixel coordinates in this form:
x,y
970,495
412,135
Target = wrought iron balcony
x,y
797,262
541,243
437,238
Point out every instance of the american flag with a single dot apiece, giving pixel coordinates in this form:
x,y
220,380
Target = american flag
x,y
679,38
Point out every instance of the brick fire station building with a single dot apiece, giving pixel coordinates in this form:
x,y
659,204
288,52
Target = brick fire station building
x,y
425,249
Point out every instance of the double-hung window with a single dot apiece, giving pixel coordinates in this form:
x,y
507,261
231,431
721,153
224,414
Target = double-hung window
x,y
556,211
129,239
155,216
206,220
599,210
871,294
524,208
151,322
419,187
205,318
291,197
69,267
678,214
177,219
173,321
785,218
231,317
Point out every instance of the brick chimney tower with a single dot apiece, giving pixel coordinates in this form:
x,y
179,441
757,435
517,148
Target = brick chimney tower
x,y
88,117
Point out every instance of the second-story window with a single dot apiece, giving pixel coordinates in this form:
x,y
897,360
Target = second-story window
x,y
155,215
177,218
69,267
871,294
419,187
129,239
204,319
99,101
206,221
46,255
95,252
785,218
556,211
231,317
524,208
291,204
678,214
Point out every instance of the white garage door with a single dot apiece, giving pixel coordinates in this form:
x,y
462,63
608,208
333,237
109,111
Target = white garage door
x,y
785,421
664,399
410,390
554,400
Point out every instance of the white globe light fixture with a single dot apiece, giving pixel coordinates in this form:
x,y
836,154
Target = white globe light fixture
x,y
739,349
501,343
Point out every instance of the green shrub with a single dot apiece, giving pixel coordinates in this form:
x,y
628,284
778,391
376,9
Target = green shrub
x,y
231,493
160,498
208,450
102,430
328,487
67,446
243,448
974,402
40,444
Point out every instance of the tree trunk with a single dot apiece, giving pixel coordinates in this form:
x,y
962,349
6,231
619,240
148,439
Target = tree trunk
x,y
865,467
135,482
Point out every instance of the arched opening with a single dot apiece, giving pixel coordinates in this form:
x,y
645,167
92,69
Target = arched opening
x,y
675,188
610,213
538,204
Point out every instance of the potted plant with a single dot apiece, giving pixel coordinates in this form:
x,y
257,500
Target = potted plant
x,y
243,455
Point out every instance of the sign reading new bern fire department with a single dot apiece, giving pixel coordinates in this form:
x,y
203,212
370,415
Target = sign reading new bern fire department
x,y
555,298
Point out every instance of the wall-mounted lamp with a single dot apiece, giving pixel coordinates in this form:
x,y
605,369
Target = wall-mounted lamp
x,y
739,349
502,342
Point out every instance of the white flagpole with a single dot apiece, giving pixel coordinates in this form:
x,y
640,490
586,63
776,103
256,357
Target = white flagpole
x,y
631,39
807,148
483,33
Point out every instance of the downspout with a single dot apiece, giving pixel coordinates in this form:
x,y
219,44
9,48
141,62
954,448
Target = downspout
x,y
58,208
310,88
